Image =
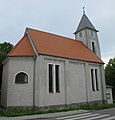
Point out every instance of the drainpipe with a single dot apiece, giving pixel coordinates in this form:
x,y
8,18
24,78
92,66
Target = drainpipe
x,y
34,74
86,80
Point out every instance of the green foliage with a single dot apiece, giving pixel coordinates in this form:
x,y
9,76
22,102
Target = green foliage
x,y
5,48
13,112
110,74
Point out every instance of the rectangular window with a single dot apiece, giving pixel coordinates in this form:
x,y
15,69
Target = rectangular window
x,y
57,77
50,78
54,78
92,79
93,47
96,80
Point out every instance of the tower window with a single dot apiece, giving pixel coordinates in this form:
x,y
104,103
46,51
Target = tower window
x,y
92,33
93,46
80,34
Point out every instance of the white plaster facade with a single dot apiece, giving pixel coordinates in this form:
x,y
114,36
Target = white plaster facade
x,y
17,94
75,82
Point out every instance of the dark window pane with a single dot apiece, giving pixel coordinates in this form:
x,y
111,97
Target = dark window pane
x,y
97,88
57,78
50,78
92,79
21,78
93,47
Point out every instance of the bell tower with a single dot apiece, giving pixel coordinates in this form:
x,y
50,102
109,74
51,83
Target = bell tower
x,y
87,33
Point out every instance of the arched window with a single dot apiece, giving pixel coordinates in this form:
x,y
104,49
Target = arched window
x,y
21,78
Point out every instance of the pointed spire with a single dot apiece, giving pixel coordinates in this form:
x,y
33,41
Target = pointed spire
x,y
85,23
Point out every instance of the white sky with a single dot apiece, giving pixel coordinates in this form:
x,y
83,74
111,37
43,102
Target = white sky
x,y
59,17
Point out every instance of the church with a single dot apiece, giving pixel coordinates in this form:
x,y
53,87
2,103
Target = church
x,y
45,69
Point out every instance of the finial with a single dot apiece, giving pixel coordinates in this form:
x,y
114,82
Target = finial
x,y
83,10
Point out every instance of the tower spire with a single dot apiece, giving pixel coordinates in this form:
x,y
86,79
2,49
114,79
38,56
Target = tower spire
x,y
87,33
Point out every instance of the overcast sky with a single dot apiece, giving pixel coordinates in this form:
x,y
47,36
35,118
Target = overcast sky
x,y
59,17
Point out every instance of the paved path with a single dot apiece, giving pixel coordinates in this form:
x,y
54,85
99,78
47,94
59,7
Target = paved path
x,y
87,116
44,116
107,114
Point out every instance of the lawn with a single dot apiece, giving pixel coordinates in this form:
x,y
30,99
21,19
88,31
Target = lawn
x,y
12,112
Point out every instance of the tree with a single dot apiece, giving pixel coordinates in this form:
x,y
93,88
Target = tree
x,y
5,48
110,74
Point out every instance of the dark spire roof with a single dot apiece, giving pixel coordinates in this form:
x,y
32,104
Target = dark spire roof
x,y
85,23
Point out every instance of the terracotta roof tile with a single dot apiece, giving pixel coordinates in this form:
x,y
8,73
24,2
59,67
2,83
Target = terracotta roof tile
x,y
55,45
23,48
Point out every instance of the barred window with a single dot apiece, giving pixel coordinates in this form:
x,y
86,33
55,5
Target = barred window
x,y
21,78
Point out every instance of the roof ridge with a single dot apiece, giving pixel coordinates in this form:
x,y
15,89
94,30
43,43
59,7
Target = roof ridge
x,y
54,34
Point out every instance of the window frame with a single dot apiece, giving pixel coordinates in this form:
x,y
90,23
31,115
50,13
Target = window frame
x,y
57,83
21,82
51,90
92,79
95,81
54,77
93,44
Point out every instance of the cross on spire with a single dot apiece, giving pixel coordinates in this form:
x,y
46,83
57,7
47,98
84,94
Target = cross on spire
x,y
83,10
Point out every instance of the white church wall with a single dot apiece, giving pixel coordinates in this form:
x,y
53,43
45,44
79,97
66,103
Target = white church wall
x,y
20,94
75,82
44,97
96,94
78,85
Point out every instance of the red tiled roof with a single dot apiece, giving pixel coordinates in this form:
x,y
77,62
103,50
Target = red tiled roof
x,y
55,45
23,48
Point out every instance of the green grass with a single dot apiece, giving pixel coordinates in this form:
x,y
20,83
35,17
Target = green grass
x,y
12,112
96,106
